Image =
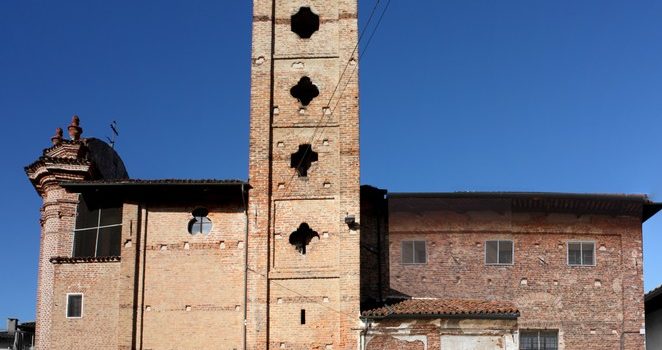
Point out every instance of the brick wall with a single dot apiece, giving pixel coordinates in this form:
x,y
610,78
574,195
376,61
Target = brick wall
x,y
324,281
594,307
97,328
191,286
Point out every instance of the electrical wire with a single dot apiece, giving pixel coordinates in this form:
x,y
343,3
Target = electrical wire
x,y
332,111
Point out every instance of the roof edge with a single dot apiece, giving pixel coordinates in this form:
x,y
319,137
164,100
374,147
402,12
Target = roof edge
x,y
515,194
466,316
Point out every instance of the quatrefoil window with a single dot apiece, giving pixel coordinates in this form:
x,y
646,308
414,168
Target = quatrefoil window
x,y
302,159
302,237
305,91
305,22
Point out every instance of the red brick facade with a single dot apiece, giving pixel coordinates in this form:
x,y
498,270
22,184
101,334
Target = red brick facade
x,y
295,254
323,283
591,307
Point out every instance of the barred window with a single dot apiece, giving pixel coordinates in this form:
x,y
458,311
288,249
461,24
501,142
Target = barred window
x,y
98,228
499,252
538,340
581,253
414,252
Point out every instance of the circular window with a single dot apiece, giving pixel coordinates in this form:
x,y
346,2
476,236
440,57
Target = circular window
x,y
200,222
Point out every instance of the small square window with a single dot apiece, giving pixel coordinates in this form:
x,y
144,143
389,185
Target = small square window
x,y
539,340
74,305
581,253
499,252
414,252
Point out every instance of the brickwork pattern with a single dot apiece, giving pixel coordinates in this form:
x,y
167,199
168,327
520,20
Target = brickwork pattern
x,y
593,307
280,200
191,284
59,163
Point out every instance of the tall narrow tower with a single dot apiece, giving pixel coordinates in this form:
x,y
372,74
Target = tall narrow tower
x,y
303,245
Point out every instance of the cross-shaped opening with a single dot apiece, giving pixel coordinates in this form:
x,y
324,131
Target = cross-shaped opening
x,y
302,159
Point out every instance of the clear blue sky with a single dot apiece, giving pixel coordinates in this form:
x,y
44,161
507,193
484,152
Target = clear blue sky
x,y
456,95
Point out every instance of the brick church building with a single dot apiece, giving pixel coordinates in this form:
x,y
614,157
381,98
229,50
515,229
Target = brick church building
x,y
301,256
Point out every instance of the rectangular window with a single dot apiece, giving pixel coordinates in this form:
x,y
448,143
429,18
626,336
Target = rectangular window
x,y
98,228
538,340
414,252
581,253
499,252
74,305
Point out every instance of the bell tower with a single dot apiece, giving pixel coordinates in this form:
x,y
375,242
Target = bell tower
x,y
303,245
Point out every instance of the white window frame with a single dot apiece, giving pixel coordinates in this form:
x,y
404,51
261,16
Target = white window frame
x,y
413,252
567,251
512,262
82,306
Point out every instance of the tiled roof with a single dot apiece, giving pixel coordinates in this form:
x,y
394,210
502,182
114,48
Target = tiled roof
x,y
599,203
412,308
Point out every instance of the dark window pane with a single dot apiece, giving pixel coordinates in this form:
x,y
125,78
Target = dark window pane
x,y
407,252
538,340
87,215
548,340
587,253
574,254
505,252
528,341
85,242
109,241
491,249
74,305
420,255
111,216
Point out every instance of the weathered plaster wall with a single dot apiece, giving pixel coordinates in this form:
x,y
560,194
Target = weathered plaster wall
x,y
435,334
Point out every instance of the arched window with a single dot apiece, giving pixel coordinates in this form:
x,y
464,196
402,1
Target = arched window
x,y
200,222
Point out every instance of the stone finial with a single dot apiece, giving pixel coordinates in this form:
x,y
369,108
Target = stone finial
x,y
74,128
57,138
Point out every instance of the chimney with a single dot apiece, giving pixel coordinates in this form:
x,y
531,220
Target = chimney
x,y
12,323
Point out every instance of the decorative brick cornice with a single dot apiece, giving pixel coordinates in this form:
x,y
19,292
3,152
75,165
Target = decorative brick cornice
x,y
84,260
62,144
42,161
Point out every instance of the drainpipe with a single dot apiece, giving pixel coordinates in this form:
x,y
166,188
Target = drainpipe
x,y
364,333
243,199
